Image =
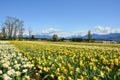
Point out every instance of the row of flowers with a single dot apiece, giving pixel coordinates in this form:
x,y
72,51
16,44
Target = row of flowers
x,y
12,65
70,63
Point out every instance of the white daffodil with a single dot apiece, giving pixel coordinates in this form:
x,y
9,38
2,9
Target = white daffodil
x,y
6,77
1,72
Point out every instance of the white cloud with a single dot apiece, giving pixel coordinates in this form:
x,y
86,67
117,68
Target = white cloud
x,y
59,32
117,30
106,30
51,31
26,33
103,30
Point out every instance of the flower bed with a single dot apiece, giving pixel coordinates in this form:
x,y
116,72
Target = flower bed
x,y
12,65
53,62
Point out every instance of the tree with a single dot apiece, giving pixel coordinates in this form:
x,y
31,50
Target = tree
x,y
89,36
76,39
55,37
63,39
30,32
14,27
3,32
32,37
20,30
9,23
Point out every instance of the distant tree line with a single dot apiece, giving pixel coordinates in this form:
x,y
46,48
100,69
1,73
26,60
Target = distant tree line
x,y
76,39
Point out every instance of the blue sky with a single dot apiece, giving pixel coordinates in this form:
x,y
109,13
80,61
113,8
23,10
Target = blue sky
x,y
64,17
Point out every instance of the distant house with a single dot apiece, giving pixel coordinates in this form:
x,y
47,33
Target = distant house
x,y
114,42
106,41
66,40
110,42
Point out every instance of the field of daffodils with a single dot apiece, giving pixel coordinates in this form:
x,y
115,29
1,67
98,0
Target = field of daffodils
x,y
25,60
72,61
13,66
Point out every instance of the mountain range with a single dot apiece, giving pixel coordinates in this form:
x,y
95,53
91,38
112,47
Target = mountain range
x,y
110,36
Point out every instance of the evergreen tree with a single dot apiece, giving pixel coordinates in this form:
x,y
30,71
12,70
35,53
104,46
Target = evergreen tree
x,y
89,36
